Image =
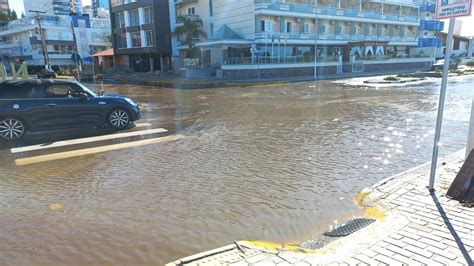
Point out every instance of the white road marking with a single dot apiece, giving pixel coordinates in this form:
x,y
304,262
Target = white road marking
x,y
87,140
142,125
101,149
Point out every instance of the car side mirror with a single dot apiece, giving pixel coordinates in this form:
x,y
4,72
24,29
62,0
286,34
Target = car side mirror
x,y
81,95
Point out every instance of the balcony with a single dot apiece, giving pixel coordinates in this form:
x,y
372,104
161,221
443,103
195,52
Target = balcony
x,y
285,37
429,7
179,21
432,25
429,42
183,2
308,11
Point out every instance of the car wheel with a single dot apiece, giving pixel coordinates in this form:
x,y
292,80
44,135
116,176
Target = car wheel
x,y
118,118
12,128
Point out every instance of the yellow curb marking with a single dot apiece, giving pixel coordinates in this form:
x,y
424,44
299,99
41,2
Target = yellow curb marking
x,y
279,247
82,152
369,212
87,140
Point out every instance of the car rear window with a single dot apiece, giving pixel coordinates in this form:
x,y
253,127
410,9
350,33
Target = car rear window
x,y
21,92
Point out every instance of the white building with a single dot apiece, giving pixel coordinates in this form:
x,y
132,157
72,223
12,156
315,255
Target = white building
x,y
57,7
286,35
21,39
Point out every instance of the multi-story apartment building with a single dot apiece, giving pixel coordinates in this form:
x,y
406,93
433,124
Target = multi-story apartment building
x,y
283,37
4,7
57,7
98,6
21,39
141,34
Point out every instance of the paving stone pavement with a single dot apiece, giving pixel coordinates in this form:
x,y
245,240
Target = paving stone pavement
x,y
417,228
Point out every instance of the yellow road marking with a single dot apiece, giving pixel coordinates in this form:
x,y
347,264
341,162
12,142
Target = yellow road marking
x,y
87,140
101,149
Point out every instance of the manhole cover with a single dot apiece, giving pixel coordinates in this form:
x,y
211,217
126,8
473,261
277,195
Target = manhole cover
x,y
349,227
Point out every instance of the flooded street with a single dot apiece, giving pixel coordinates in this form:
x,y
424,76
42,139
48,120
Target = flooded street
x,y
280,163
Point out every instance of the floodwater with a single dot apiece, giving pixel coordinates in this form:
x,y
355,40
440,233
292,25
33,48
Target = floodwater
x,y
279,163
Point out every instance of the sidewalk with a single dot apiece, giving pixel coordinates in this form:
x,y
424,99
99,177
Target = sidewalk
x,y
412,227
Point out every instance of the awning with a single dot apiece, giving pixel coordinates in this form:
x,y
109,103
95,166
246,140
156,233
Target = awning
x,y
108,52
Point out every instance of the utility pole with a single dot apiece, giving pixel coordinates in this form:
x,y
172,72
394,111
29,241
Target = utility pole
x,y
316,25
43,41
76,52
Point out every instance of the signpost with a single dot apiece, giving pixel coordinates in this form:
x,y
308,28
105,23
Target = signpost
x,y
446,9
257,53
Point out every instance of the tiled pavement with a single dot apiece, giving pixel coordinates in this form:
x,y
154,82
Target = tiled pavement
x,y
417,228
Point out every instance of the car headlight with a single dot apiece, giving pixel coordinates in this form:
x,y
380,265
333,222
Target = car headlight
x,y
131,102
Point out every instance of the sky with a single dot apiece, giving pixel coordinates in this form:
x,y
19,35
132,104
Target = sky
x,y
467,29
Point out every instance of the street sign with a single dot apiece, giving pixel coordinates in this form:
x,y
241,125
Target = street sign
x,y
88,59
453,8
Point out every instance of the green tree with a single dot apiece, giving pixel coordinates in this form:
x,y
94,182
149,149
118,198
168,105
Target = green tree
x,y
190,29
13,15
470,64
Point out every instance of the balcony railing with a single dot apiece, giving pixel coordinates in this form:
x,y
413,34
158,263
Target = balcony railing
x,y
282,37
242,60
338,12
431,25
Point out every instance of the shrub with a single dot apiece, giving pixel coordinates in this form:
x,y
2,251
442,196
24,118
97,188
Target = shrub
x,y
470,64
391,78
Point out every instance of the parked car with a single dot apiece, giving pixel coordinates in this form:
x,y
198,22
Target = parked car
x,y
439,64
46,74
46,105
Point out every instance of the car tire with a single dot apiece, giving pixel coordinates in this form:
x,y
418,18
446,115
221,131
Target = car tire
x,y
118,118
12,128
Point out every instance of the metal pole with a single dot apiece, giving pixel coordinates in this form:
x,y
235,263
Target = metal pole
x,y
442,95
77,50
470,134
43,41
258,67
316,39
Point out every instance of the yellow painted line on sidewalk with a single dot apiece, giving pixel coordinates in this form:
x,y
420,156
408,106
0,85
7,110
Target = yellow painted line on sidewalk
x,y
101,149
87,140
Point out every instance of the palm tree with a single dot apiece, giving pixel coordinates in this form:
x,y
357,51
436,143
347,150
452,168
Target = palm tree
x,y
190,29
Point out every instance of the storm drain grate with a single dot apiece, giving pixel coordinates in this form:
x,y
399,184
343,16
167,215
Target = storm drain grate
x,y
349,227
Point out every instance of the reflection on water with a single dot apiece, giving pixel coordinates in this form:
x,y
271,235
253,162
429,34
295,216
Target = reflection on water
x,y
279,163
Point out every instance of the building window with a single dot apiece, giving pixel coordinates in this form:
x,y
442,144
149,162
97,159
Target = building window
x,y
149,38
121,41
288,27
266,25
119,20
306,28
191,11
133,17
136,39
148,15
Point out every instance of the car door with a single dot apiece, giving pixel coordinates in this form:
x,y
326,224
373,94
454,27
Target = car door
x,y
64,111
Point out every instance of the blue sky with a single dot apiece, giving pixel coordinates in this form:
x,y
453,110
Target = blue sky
x,y
467,29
